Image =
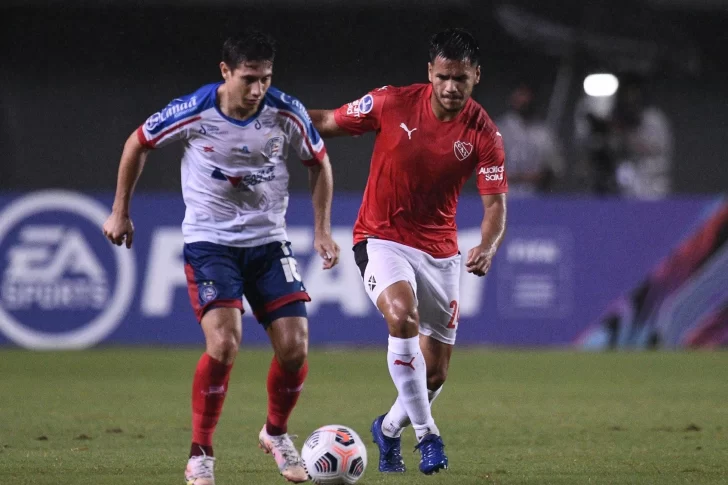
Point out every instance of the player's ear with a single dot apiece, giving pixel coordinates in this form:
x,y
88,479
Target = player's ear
x,y
224,70
477,74
429,71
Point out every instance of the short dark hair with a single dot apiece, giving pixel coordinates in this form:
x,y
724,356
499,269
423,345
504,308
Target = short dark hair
x,y
455,45
248,46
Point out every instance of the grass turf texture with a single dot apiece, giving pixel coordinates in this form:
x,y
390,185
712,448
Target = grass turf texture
x,y
121,416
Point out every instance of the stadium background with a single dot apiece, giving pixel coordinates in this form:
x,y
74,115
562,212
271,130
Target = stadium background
x,y
576,270
81,76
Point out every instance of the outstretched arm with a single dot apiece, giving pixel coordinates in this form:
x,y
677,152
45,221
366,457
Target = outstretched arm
x,y
325,123
321,180
119,228
492,230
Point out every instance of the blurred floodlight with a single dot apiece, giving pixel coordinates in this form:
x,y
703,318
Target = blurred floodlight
x,y
601,85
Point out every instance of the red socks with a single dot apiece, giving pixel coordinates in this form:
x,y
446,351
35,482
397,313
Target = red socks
x,y
283,391
209,388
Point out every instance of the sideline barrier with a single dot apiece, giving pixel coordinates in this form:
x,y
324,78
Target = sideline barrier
x,y
64,286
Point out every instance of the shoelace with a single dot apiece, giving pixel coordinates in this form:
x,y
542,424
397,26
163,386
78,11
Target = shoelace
x,y
204,468
426,448
287,449
393,451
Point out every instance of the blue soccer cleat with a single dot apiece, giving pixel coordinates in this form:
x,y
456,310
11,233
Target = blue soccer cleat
x,y
433,454
390,453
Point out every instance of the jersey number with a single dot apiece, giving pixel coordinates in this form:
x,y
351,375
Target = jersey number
x,y
455,314
290,269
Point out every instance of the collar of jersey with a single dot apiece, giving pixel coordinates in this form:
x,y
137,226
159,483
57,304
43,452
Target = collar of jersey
x,y
233,120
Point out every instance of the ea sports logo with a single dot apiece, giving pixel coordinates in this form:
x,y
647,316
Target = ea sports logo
x,y
62,286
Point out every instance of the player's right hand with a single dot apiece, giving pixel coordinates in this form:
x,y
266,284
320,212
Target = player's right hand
x,y
327,248
118,228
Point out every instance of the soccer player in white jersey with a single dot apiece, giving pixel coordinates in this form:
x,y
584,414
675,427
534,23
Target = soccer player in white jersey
x,y
237,135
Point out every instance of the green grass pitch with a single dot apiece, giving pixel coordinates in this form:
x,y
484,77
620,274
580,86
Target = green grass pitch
x,y
122,416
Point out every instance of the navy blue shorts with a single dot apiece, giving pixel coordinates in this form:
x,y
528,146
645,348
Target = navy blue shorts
x,y
218,276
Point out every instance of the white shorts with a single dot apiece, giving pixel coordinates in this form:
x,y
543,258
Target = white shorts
x,y
435,282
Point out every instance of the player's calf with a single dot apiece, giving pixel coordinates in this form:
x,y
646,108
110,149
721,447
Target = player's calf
x,y
288,368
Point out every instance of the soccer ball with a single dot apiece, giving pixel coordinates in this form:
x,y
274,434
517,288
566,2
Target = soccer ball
x,y
334,455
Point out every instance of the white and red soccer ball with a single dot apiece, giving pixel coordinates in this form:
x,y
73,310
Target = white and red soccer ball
x,y
334,455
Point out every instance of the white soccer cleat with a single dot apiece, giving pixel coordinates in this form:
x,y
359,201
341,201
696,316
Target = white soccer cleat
x,y
200,470
287,458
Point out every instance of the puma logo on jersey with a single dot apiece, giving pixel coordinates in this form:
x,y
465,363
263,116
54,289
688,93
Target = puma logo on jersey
x,y
409,132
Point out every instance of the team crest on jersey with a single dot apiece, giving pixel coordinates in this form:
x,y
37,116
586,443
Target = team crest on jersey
x,y
462,149
274,147
208,291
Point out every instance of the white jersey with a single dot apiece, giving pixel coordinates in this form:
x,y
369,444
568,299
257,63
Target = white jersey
x,y
234,175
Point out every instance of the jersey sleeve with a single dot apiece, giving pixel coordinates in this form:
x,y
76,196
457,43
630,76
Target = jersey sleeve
x,y
304,137
363,114
491,171
171,123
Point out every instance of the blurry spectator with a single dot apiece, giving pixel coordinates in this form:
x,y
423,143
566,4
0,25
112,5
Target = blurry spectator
x,y
643,142
533,157
626,142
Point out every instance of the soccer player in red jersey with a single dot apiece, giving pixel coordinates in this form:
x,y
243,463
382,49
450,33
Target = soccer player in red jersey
x,y
430,138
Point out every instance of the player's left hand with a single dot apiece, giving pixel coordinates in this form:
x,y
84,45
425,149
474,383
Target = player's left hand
x,y
327,249
479,260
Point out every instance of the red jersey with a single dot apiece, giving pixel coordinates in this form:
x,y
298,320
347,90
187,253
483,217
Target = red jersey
x,y
419,165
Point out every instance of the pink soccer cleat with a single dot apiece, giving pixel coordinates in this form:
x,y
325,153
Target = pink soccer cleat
x,y
286,456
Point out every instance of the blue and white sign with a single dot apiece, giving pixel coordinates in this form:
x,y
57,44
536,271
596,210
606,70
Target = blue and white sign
x,y
64,286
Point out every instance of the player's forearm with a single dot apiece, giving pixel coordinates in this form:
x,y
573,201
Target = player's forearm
x,y
130,168
321,180
325,123
493,227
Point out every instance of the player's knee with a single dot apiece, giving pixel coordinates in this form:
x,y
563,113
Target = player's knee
x,y
223,342
403,321
293,359
291,345
292,352
223,332
223,346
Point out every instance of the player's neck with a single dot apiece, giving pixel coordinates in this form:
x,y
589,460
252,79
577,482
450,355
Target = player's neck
x,y
231,109
441,113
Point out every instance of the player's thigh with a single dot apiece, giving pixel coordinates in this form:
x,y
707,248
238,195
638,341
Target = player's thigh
x,y
383,265
273,286
438,293
214,279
